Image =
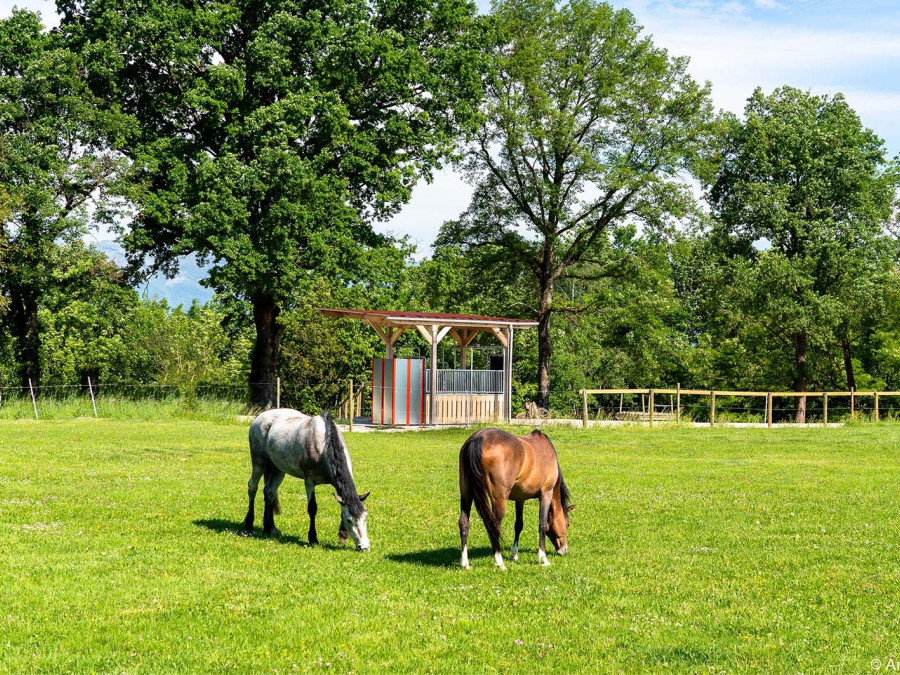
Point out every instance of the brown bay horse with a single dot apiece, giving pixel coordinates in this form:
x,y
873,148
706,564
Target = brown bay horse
x,y
495,467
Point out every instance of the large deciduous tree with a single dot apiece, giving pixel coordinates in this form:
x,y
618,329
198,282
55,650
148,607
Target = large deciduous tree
x,y
271,134
586,127
803,195
55,166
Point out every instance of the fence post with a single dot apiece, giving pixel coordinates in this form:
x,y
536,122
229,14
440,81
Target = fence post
x,y
277,392
852,403
712,408
650,399
93,402
678,397
351,402
876,408
769,402
584,411
825,409
33,400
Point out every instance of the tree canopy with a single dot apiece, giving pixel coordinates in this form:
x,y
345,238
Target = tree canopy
x,y
586,127
269,136
55,167
803,194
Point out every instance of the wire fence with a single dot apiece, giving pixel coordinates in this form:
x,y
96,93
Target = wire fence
x,y
456,407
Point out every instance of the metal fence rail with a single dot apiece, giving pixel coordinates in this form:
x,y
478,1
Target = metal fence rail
x,y
467,382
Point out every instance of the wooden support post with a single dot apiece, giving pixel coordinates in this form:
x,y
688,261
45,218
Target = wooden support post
x,y
650,400
852,403
350,403
769,401
877,416
678,399
509,365
621,402
91,389
584,411
33,399
278,392
825,409
434,376
712,408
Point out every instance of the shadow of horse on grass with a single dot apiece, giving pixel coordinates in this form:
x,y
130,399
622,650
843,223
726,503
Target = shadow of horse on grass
x,y
437,557
237,528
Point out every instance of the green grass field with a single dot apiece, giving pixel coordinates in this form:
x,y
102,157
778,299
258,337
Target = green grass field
x,y
692,550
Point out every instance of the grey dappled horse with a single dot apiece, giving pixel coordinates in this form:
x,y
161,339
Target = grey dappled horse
x,y
311,448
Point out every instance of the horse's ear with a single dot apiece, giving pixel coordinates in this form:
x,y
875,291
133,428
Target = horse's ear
x,y
570,507
339,500
326,413
362,498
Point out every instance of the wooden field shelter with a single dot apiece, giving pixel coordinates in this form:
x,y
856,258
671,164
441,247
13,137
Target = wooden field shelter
x,y
403,393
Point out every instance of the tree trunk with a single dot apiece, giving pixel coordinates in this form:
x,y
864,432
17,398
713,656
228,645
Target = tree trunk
x,y
801,378
24,325
848,359
545,346
265,351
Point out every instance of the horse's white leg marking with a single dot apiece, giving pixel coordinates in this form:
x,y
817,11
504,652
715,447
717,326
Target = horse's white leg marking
x,y
542,559
514,553
498,560
465,558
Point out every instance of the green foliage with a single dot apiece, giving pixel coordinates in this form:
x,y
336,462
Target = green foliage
x,y
268,136
54,166
802,195
585,129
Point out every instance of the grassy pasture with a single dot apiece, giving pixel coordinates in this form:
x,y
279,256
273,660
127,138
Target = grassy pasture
x,y
695,550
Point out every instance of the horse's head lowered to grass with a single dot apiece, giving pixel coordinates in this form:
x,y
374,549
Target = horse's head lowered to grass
x,y
558,517
353,520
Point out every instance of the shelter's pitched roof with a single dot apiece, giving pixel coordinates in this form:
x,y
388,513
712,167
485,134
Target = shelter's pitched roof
x,y
391,318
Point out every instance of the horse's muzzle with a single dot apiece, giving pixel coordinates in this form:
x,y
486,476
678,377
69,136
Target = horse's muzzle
x,y
364,549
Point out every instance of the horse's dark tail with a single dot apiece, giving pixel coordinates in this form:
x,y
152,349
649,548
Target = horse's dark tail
x,y
473,470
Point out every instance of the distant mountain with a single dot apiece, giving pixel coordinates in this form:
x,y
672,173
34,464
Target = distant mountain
x,y
182,290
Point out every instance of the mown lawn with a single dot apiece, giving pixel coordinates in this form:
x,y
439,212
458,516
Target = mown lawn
x,y
691,549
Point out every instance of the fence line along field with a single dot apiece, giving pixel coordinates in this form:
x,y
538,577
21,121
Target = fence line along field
x,y
691,550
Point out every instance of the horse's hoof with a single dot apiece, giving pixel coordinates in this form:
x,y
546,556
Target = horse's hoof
x,y
274,532
502,568
466,567
545,563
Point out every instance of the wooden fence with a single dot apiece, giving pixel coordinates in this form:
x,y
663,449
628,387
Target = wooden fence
x,y
652,416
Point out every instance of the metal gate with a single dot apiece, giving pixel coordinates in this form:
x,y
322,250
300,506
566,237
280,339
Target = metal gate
x,y
398,392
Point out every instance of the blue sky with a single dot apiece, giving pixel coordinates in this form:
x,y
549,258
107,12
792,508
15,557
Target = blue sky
x,y
826,46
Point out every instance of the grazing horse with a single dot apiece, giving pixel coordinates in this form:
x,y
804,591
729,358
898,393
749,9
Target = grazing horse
x,y
311,448
495,466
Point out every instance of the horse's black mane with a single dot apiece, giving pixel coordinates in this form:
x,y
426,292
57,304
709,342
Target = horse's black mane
x,y
564,495
340,470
